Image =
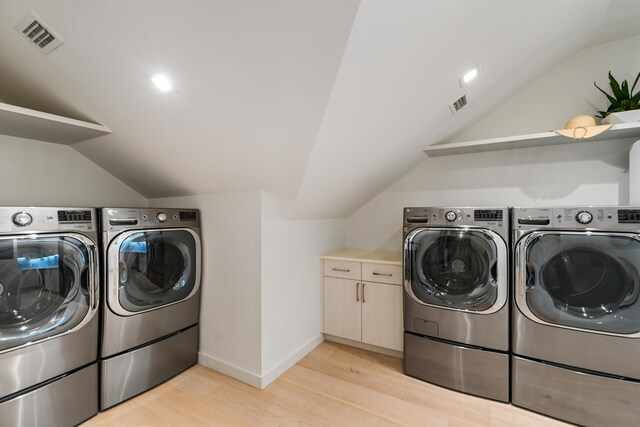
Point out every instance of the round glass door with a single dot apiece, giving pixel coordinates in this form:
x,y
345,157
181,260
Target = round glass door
x,y
156,268
588,281
45,287
455,268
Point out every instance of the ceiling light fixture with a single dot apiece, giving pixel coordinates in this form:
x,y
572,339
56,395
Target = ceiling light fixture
x,y
162,82
470,75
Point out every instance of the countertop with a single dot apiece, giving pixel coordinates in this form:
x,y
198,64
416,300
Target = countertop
x,y
363,255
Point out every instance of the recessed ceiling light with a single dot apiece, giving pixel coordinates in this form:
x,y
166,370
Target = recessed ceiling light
x,y
470,75
162,82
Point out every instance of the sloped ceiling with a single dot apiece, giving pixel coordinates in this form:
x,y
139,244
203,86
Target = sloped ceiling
x,y
322,103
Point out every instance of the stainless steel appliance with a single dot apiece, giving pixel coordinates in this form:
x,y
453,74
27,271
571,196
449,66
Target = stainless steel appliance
x,y
576,317
48,322
152,291
456,282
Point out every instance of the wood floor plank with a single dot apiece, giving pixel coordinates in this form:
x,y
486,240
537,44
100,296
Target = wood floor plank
x,y
178,408
323,409
380,403
335,385
406,388
250,408
138,417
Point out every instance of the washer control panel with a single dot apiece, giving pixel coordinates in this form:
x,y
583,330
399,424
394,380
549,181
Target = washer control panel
x,y
36,219
124,218
489,217
577,217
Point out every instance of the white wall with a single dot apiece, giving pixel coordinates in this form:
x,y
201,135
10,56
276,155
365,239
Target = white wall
x,y
260,310
230,315
291,291
36,173
587,173
582,173
563,92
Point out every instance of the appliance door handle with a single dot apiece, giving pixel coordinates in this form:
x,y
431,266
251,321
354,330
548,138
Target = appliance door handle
x,y
493,271
358,291
530,281
94,283
123,222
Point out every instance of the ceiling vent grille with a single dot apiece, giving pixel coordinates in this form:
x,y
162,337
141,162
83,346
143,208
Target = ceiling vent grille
x,y
458,104
34,30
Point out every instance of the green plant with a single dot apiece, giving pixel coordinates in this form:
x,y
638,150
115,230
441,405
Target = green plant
x,y
622,99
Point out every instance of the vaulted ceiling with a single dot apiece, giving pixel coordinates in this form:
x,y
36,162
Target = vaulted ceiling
x,y
322,103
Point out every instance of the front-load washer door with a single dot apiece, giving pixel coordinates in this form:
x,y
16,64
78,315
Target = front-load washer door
x,y
456,268
151,269
47,287
580,280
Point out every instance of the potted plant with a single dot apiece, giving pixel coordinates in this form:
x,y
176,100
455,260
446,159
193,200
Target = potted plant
x,y
625,105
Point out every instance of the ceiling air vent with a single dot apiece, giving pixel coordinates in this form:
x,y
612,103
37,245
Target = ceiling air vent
x,y
44,39
458,104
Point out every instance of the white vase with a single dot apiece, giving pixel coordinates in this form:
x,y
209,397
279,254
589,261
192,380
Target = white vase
x,y
622,117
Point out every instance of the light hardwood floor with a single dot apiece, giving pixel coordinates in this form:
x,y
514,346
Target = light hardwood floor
x,y
335,385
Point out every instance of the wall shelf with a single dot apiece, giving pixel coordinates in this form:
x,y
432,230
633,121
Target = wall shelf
x,y
31,124
624,131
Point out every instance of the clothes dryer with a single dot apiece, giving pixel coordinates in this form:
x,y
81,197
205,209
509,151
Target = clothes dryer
x,y
152,290
48,323
576,317
456,283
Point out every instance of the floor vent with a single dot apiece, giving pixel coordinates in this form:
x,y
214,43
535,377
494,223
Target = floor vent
x,y
458,104
34,30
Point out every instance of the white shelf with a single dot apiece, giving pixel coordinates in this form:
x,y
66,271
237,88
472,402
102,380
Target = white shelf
x,y
624,131
31,124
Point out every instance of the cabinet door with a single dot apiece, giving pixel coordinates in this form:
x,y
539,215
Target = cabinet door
x,y
342,308
382,315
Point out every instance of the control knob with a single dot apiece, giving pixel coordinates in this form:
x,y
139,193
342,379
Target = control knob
x,y
22,219
451,216
161,217
584,217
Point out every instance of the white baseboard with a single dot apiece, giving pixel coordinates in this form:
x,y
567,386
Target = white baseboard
x,y
230,370
256,380
291,360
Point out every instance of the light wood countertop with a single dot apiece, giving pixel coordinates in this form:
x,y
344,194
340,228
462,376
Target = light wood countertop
x,y
363,255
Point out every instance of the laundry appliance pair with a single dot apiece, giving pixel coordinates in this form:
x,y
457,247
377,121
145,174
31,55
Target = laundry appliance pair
x,y
572,297
74,340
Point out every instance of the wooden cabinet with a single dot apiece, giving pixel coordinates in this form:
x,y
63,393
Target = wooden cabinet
x,y
342,308
362,297
382,315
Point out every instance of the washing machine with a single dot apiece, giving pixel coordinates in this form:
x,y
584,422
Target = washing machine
x,y
456,289
576,318
48,315
152,291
